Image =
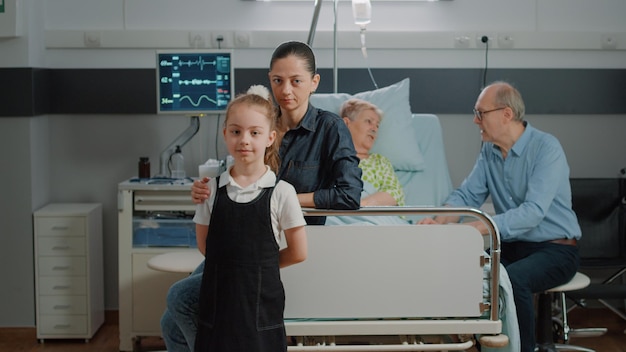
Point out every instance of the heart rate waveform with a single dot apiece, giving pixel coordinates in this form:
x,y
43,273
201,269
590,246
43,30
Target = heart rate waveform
x,y
198,102
200,62
194,82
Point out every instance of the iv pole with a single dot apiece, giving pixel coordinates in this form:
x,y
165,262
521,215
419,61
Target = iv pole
x,y
316,14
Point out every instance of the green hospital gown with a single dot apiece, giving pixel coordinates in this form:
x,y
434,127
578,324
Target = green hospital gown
x,y
378,171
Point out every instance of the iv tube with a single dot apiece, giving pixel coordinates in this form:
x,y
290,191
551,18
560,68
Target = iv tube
x,y
362,11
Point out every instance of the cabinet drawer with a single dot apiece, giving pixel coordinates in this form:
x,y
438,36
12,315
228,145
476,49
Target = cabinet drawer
x,y
69,285
61,246
61,266
164,233
61,226
62,305
62,325
164,201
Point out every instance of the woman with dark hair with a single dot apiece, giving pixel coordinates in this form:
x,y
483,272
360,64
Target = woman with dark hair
x,y
317,154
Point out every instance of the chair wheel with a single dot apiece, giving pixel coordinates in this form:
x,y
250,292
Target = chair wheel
x,y
557,331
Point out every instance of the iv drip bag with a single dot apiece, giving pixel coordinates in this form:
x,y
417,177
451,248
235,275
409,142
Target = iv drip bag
x,y
362,11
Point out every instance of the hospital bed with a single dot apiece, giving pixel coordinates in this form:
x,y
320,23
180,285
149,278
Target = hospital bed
x,y
410,282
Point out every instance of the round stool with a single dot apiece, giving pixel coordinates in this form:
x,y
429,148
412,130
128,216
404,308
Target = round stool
x,y
545,340
579,281
176,262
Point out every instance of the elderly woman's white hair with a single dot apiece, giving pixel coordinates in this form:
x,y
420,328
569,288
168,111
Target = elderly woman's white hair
x,y
351,108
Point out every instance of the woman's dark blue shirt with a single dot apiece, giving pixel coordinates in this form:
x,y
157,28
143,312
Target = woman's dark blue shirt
x,y
318,156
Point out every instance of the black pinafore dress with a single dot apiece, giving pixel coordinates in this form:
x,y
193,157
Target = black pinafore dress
x,y
242,298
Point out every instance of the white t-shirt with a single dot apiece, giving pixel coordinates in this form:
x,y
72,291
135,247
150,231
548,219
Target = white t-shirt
x,y
286,212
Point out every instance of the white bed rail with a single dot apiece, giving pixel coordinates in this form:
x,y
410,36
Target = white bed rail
x,y
461,346
491,327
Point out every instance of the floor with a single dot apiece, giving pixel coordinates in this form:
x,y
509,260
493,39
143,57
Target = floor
x,y
615,338
107,339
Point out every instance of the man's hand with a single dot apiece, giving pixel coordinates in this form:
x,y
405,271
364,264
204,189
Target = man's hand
x,y
427,221
200,190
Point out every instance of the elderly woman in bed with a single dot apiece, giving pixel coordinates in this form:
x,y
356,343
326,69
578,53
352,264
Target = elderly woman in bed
x,y
380,183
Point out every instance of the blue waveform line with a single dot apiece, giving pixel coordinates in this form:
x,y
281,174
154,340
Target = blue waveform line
x,y
196,104
196,82
200,62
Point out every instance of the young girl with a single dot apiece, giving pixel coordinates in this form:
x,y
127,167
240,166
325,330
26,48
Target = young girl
x,y
238,230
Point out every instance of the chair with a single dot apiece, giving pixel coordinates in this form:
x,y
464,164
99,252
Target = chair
x,y
600,204
545,320
177,261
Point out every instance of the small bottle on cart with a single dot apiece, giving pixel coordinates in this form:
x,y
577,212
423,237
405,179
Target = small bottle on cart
x,y
177,164
144,167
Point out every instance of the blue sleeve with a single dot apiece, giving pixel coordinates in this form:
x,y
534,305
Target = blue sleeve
x,y
473,190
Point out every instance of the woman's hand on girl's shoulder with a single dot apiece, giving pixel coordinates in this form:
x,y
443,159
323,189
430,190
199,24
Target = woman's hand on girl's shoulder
x,y
200,190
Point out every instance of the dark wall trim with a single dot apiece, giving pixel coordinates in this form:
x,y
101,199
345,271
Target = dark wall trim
x,y
17,94
103,91
34,91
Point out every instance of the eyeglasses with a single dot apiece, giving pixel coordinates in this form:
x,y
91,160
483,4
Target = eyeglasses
x,y
480,114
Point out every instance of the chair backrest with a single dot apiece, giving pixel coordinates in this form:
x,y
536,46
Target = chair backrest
x,y
600,206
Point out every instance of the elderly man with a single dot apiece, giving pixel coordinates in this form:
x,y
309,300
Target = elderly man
x,y
525,172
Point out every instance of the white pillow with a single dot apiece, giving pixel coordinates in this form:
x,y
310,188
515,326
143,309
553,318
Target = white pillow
x,y
396,139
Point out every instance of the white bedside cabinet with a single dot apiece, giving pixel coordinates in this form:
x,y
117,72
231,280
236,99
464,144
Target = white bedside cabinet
x,y
68,270
147,229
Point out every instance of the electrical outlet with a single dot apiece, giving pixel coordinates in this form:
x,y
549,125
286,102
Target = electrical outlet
x,y
505,41
462,41
242,39
489,37
198,39
222,39
609,41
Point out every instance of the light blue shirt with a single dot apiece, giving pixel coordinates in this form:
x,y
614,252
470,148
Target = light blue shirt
x,y
530,189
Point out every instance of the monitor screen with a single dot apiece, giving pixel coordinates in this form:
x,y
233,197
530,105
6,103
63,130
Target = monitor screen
x,y
194,82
